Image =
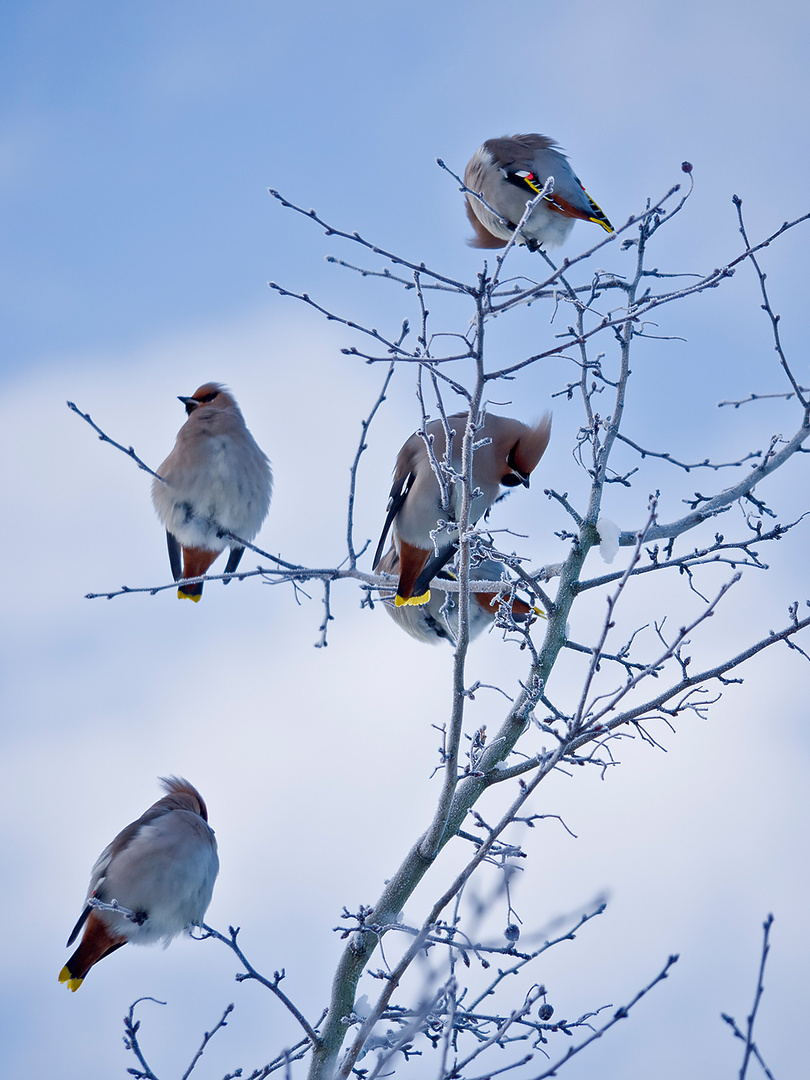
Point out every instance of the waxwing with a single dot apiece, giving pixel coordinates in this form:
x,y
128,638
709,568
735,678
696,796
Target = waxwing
x,y
510,453
161,869
216,477
508,173
437,620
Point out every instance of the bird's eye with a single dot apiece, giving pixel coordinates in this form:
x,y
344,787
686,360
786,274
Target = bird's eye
x,y
207,398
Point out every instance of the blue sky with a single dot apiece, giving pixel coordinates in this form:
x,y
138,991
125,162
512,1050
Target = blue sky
x,y
137,144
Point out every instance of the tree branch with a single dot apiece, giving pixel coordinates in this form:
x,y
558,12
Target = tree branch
x,y
252,973
748,1038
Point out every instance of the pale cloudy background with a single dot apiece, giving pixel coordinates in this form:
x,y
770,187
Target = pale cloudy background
x,y
136,146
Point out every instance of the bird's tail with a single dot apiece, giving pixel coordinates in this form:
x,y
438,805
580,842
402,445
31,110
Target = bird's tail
x,y
97,942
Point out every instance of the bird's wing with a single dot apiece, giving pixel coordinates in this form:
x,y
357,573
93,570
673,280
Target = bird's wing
x,y
174,556
233,560
399,493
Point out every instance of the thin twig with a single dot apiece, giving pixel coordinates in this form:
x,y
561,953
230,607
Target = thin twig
x,y
131,1027
356,238
748,1038
207,1036
766,306
705,464
365,424
620,1014
252,973
128,450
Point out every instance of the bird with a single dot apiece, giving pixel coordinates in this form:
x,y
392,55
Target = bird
x,y
511,171
509,454
160,868
437,620
215,479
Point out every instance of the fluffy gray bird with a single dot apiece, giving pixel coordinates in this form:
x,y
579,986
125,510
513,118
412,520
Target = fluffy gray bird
x,y
161,868
509,173
510,453
216,477
437,620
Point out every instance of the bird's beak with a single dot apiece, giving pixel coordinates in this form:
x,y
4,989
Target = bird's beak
x,y
513,478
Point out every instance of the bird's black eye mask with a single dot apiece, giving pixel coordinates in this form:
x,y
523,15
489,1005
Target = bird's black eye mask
x,y
511,480
515,477
194,403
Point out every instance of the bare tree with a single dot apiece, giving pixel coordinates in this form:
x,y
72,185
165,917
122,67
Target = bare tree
x,y
444,985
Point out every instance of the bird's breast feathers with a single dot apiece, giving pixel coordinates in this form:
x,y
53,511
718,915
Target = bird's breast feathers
x,y
168,871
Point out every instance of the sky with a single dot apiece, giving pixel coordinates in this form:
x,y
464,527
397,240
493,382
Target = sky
x,y
137,147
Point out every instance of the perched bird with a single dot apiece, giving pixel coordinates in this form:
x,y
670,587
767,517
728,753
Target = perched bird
x,y
216,478
509,173
437,620
510,453
161,868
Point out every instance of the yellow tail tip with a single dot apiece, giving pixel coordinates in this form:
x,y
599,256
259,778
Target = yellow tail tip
x,y
599,217
189,596
72,983
412,601
539,611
